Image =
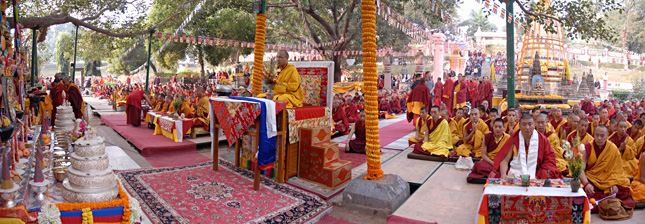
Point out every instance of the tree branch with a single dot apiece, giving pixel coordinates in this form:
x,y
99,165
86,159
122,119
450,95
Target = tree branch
x,y
536,14
57,19
349,12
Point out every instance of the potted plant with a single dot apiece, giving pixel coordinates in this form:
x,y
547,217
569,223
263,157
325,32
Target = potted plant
x,y
270,77
574,154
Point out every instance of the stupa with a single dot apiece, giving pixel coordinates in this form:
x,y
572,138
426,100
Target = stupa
x,y
549,47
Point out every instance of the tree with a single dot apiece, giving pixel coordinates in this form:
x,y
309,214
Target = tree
x,y
316,22
631,23
581,19
477,21
105,17
64,51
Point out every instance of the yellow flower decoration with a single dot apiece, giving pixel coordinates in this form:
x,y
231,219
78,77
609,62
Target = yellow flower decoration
x,y
370,79
258,57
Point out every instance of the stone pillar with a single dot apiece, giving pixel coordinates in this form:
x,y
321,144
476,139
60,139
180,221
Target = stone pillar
x,y
438,40
387,71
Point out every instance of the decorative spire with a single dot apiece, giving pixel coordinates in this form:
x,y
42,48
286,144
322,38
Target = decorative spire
x,y
7,183
38,171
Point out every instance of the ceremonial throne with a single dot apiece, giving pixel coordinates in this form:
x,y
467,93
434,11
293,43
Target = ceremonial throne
x,y
303,147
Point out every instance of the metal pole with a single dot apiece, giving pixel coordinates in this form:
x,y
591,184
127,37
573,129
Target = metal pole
x,y
510,57
264,7
75,42
148,64
34,56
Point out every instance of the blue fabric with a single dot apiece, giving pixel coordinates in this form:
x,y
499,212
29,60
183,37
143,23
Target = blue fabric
x,y
113,211
266,153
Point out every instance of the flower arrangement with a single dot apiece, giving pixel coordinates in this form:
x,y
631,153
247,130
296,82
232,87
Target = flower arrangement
x,y
177,104
270,74
122,200
49,214
88,218
574,156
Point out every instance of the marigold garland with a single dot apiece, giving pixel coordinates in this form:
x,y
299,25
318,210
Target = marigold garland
x,y
258,54
368,16
88,218
123,200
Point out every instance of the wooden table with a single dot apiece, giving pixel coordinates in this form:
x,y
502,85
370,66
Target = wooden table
x,y
280,146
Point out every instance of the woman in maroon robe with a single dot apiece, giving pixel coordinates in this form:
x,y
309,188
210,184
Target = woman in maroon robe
x,y
133,107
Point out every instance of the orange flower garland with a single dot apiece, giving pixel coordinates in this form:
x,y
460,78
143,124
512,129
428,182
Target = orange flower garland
x,y
258,57
123,200
370,76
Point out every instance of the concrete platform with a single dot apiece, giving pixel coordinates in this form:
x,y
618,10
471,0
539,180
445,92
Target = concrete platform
x,y
444,198
413,171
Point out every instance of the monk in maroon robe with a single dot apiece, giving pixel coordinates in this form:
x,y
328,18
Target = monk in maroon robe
x,y
357,145
461,89
340,118
57,99
421,95
588,106
491,145
75,98
395,106
473,92
133,107
486,90
351,111
545,154
384,108
448,95
438,91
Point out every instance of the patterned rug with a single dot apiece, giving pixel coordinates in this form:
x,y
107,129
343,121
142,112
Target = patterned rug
x,y
197,194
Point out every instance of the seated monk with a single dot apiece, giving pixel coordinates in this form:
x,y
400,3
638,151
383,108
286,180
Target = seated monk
x,y
454,133
512,125
527,152
167,105
187,107
420,128
395,106
357,145
613,125
341,124
603,170
493,142
161,101
383,107
493,114
473,130
581,133
557,121
554,140
637,188
635,132
625,145
484,114
595,121
171,108
201,113
351,111
287,87
437,138
570,126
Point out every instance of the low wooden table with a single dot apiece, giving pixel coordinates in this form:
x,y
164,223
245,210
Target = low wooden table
x,y
280,146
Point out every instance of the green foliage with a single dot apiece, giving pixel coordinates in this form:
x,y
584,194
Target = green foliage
x,y
580,19
64,52
629,24
612,65
478,20
187,74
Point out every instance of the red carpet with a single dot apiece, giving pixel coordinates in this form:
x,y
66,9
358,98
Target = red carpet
x,y
197,194
142,138
182,159
357,159
391,133
394,132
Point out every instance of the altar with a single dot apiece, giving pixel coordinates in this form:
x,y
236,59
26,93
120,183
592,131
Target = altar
x,y
174,129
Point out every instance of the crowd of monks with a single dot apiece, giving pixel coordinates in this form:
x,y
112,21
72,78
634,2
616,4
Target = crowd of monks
x,y
531,143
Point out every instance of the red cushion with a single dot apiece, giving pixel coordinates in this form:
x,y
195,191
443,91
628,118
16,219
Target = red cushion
x,y
309,112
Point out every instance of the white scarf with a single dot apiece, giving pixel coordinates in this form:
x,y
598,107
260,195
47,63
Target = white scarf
x,y
523,163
